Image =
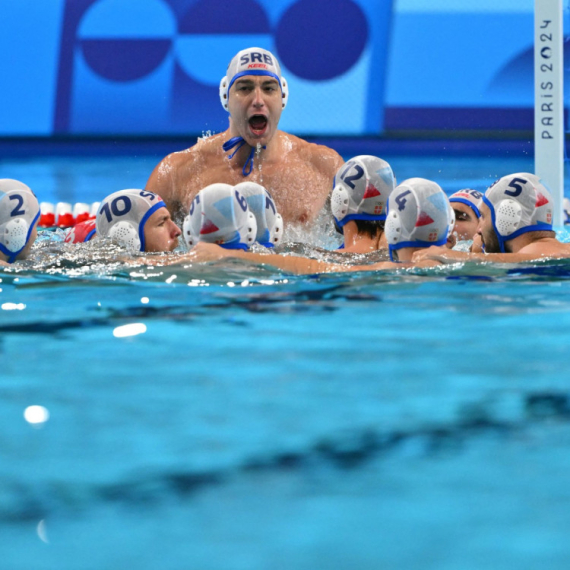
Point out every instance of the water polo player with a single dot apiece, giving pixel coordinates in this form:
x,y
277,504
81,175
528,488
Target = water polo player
x,y
19,215
359,202
515,224
419,215
138,221
466,205
219,214
298,174
82,232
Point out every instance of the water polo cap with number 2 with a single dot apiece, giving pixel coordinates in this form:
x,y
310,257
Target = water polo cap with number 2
x,y
19,212
361,190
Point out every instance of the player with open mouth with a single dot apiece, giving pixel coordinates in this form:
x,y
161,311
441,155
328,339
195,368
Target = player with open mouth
x,y
299,175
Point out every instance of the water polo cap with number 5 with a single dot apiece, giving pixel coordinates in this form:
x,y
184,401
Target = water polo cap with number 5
x,y
519,203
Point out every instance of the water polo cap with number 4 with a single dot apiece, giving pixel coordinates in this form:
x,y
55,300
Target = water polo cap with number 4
x,y
361,189
123,215
519,203
419,215
220,214
252,61
19,212
261,204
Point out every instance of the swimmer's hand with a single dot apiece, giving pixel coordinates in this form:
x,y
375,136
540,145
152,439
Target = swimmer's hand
x,y
439,253
477,245
203,252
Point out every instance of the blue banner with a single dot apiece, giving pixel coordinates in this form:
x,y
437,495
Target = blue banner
x,y
354,67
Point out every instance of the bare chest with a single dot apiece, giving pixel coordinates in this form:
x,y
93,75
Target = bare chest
x,y
298,189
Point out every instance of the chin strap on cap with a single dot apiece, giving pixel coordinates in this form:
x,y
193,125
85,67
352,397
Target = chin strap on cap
x,y
239,142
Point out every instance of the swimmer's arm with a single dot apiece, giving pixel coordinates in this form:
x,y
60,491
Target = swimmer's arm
x,y
444,255
202,252
386,265
162,182
4,263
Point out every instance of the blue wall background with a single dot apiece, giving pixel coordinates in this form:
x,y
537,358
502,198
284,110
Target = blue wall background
x,y
354,67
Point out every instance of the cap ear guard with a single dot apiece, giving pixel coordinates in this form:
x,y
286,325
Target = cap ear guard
x,y
224,92
339,203
393,228
16,234
284,92
189,238
508,215
451,225
251,230
126,236
277,231
393,231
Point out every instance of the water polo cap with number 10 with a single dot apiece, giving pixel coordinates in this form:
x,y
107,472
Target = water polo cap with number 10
x,y
123,215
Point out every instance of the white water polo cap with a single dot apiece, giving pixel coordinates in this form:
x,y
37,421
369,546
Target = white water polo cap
x,y
123,215
252,61
419,215
268,219
361,189
19,212
471,198
220,214
519,203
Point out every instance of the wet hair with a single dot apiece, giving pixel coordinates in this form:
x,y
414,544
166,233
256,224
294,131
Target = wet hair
x,y
370,228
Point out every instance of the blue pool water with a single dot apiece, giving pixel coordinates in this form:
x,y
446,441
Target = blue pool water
x,y
418,420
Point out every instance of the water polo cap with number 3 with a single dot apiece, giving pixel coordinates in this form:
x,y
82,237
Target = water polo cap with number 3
x,y
220,214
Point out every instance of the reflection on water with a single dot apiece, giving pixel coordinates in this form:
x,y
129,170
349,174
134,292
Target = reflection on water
x,y
226,415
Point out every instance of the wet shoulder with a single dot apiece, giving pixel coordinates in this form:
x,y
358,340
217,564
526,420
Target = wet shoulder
x,y
321,157
201,151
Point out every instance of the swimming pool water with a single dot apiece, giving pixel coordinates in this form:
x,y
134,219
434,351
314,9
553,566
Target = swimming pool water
x,y
417,420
